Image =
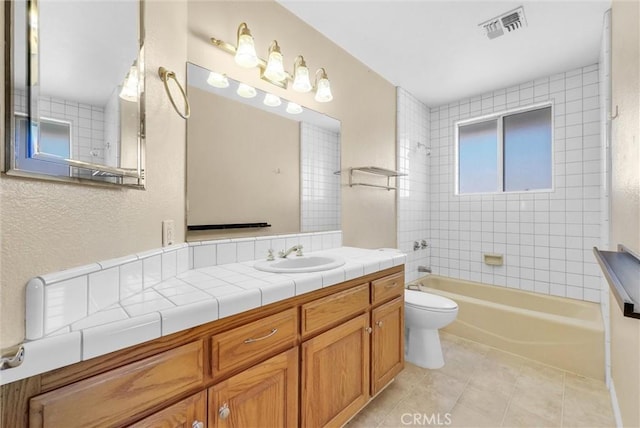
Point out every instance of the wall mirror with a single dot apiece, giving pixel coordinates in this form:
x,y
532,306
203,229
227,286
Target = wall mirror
x,y
75,110
257,164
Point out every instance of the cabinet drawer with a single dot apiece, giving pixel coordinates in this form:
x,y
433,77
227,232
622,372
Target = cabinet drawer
x,y
251,342
186,413
330,310
115,397
387,288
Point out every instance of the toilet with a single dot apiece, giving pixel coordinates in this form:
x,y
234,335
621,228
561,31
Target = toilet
x,y
424,314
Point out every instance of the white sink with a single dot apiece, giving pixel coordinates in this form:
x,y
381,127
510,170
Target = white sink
x,y
300,264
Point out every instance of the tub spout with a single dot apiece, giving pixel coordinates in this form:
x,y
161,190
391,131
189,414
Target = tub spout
x,y
424,269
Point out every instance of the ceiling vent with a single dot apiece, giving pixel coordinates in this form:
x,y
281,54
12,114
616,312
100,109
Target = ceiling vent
x,y
507,22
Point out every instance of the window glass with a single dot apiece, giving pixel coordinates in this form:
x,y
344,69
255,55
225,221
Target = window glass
x,y
478,157
527,150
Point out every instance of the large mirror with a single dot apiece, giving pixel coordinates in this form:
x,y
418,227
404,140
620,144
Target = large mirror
x,y
257,164
75,107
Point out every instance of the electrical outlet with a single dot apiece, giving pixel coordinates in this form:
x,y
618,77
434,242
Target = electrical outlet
x,y
168,233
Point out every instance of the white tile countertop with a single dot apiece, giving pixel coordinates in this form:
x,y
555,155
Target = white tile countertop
x,y
190,298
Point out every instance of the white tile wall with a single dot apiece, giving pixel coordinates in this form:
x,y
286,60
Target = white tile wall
x,y
319,187
88,123
413,189
546,237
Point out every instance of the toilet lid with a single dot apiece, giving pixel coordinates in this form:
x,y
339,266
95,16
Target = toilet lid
x,y
420,299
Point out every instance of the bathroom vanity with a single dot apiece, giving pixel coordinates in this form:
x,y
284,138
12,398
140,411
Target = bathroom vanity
x,y
311,360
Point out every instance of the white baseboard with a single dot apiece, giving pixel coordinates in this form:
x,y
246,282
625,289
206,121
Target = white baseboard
x,y
614,404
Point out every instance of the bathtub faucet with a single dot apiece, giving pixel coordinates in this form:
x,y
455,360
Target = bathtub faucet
x,y
424,269
297,248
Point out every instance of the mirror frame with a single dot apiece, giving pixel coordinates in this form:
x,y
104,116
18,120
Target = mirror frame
x,y
9,162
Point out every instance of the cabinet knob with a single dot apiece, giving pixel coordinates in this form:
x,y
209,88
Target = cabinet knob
x,y
379,323
224,411
368,329
197,424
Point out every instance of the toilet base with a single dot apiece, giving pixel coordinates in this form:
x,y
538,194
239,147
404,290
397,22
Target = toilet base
x,y
423,348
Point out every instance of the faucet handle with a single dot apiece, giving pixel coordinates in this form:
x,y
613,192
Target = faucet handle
x,y
299,251
281,254
270,256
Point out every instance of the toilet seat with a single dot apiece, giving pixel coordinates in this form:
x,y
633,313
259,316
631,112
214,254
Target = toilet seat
x,y
428,301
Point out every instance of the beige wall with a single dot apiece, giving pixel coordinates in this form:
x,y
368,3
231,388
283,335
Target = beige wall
x,y
625,196
243,164
48,226
363,101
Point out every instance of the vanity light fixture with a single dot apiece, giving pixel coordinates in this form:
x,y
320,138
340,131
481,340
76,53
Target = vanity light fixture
x,y
246,91
218,80
272,100
245,53
301,82
323,87
293,108
273,70
129,91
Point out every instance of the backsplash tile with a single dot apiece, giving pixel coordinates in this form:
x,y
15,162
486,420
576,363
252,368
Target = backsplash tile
x,y
151,270
130,279
65,302
56,302
104,289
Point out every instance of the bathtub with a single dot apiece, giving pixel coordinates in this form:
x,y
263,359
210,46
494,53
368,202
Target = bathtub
x,y
563,333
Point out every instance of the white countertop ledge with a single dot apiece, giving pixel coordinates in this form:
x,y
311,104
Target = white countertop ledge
x,y
190,299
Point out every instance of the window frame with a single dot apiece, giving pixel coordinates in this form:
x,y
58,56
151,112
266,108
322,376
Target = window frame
x,y
499,117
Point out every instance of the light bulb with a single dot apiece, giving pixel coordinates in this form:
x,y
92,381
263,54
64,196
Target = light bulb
x,y
217,80
246,51
272,100
129,91
323,93
275,68
246,91
301,82
293,108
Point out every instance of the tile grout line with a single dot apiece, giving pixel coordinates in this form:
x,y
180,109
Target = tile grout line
x,y
513,393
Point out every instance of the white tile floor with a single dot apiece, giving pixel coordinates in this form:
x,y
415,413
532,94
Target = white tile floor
x,y
480,386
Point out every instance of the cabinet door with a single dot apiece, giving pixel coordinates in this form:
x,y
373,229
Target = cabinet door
x,y
387,347
188,413
335,374
265,395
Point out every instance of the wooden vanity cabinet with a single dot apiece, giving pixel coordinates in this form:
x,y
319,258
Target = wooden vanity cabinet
x,y
265,395
188,413
312,360
387,343
335,374
343,367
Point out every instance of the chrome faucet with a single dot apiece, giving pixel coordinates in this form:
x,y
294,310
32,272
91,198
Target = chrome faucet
x,y
297,248
424,269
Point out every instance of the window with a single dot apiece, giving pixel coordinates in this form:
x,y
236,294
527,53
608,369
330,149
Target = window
x,y
510,152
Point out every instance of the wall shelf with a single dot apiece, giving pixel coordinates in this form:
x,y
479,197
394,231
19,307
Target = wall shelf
x,y
228,226
622,271
373,170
